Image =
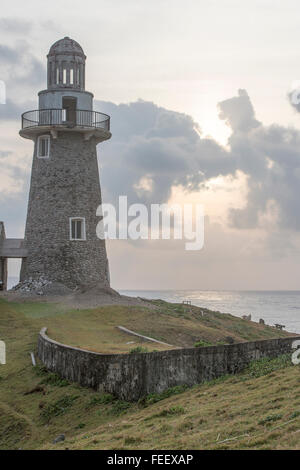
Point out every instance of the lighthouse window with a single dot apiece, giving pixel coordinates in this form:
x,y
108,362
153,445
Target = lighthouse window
x,y
64,76
77,228
57,75
71,76
43,146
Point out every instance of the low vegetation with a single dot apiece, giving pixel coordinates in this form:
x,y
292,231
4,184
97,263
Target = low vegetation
x,y
138,350
257,409
175,324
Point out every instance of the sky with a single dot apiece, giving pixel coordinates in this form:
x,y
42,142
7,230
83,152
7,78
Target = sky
x,y
198,95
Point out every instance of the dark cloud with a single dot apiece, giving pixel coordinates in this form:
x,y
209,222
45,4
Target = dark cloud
x,y
164,148
22,73
160,145
154,149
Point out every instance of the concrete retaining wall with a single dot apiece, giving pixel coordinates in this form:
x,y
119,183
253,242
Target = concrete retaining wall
x,y
132,376
3,260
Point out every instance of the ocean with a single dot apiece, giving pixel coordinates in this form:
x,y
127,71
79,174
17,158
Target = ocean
x,y
273,306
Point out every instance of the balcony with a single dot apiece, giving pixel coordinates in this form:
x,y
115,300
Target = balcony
x,y
90,123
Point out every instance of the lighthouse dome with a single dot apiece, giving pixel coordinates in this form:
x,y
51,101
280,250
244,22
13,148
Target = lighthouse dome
x,y
66,65
66,46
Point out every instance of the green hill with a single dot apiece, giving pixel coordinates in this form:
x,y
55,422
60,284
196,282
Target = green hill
x,y
257,409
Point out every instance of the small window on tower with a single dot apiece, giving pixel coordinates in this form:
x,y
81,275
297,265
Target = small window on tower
x,y
43,146
57,75
77,228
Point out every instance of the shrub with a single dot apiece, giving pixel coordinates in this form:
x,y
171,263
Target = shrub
x,y
267,365
80,426
202,343
270,419
57,408
102,399
155,397
295,414
54,379
40,370
119,407
138,350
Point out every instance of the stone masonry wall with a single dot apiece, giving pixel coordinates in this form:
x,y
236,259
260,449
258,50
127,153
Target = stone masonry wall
x,y
132,376
62,186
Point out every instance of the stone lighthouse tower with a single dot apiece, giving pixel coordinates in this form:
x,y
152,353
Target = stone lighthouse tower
x,y
60,236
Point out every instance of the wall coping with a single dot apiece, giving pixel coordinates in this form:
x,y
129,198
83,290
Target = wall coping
x,y
204,349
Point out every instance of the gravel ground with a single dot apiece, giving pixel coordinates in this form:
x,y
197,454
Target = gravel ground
x,y
92,297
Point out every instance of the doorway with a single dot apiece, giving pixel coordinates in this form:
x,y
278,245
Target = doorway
x,y
69,104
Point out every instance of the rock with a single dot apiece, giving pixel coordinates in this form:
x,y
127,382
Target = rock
x,y
262,321
41,286
246,317
59,438
32,285
229,339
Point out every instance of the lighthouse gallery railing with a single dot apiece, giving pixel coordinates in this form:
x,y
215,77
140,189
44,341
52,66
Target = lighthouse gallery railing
x,y
59,117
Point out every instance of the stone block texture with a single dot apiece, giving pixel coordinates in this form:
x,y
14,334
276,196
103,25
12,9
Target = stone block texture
x,y
65,185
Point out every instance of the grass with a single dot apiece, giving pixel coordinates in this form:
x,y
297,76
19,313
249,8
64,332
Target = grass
x,y
156,397
202,344
138,350
175,324
59,407
257,409
172,411
54,379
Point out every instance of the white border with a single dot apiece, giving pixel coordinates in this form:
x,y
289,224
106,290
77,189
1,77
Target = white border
x,y
84,231
38,145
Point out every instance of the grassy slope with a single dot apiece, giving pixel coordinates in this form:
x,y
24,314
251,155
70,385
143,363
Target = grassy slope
x,y
202,417
175,324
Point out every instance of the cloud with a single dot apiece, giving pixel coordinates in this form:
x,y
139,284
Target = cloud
x,y
154,150
22,73
15,25
166,148
238,112
13,111
157,144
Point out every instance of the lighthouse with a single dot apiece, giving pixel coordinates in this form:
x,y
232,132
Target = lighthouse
x,y
60,243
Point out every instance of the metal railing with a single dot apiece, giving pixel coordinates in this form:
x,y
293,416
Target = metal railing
x,y
62,117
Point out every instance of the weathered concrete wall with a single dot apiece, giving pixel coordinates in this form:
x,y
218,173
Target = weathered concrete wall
x,y
3,260
132,376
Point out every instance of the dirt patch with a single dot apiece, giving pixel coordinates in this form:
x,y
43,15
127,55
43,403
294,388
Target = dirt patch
x,y
88,297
